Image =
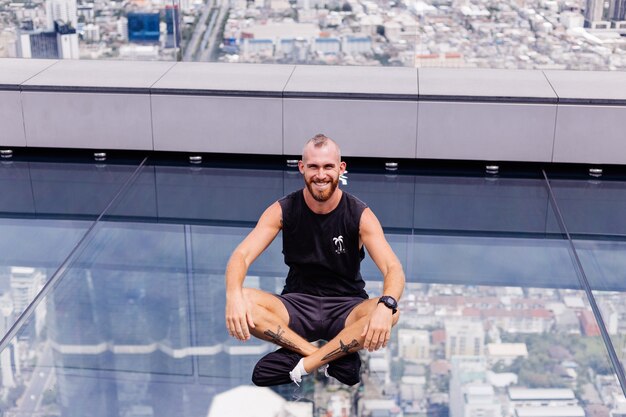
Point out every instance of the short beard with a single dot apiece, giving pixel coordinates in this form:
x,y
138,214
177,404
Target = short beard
x,y
321,197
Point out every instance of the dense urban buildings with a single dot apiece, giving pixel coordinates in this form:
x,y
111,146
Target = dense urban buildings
x,y
513,34
460,350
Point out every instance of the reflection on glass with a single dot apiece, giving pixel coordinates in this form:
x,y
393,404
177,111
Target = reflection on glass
x,y
45,209
592,207
501,261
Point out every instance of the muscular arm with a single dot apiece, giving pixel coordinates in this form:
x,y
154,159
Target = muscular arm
x,y
238,313
374,240
378,330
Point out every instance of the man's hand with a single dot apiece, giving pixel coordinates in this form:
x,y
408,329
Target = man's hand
x,y
238,315
378,330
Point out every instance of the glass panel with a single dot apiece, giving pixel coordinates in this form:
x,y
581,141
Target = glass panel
x,y
211,248
493,323
592,206
136,324
483,205
604,263
124,303
228,195
593,211
45,209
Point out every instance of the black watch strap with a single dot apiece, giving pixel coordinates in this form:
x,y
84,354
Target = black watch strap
x,y
389,302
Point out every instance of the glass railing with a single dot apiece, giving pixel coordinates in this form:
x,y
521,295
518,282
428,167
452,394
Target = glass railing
x,y
46,209
496,315
591,210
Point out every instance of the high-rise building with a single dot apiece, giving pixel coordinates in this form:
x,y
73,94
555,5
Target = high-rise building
x,y
414,345
25,284
618,10
464,337
172,22
61,10
143,27
67,40
470,394
594,13
61,43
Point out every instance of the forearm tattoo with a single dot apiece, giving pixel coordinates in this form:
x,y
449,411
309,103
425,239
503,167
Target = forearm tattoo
x,y
342,349
278,338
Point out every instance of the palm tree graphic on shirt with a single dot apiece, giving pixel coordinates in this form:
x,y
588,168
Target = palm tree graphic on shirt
x,y
338,241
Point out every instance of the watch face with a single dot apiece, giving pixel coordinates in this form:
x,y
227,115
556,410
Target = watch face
x,y
390,302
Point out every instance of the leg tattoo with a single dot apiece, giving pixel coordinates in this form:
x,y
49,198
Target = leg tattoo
x,y
343,348
277,337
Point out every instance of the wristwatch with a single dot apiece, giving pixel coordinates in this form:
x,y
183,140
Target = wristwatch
x,y
389,302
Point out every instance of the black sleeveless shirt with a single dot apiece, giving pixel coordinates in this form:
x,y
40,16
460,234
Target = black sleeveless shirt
x,y
322,250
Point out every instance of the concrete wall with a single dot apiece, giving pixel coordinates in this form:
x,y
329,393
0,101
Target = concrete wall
x,y
463,114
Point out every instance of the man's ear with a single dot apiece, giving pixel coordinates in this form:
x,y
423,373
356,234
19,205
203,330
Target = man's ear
x,y
342,167
301,167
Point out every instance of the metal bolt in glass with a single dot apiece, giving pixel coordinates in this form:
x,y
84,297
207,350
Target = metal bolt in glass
x,y
492,169
292,162
391,166
595,172
6,153
100,156
195,159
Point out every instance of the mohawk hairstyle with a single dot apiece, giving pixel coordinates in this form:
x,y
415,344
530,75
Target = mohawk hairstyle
x,y
319,141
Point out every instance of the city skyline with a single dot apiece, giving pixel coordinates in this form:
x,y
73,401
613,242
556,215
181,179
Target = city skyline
x,y
517,34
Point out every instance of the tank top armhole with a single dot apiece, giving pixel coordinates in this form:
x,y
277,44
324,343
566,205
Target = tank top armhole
x,y
357,207
287,207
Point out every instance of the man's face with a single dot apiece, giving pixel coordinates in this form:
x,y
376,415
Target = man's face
x,y
321,169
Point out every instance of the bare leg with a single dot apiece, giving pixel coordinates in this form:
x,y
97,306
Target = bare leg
x,y
349,340
271,320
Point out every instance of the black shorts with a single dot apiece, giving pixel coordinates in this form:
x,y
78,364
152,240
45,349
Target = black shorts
x,y
314,317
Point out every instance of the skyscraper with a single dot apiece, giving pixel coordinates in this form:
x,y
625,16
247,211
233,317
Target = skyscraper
x,y
618,10
61,42
61,10
594,12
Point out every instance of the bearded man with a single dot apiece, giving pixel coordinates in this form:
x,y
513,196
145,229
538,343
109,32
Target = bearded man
x,y
324,231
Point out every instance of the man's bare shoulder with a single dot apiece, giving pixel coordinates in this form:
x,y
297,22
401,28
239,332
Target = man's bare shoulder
x,y
272,216
368,220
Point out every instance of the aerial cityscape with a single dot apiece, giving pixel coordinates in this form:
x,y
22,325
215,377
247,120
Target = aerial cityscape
x,y
459,351
117,338
511,34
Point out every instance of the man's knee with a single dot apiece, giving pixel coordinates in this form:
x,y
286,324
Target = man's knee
x,y
263,303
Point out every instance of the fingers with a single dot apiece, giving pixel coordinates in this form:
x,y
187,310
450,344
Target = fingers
x,y
387,337
238,328
250,319
375,342
381,340
367,343
376,339
241,329
364,333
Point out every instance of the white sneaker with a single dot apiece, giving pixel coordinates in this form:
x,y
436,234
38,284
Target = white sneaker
x,y
298,372
295,376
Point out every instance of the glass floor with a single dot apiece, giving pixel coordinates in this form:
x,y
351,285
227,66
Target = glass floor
x,y
112,293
